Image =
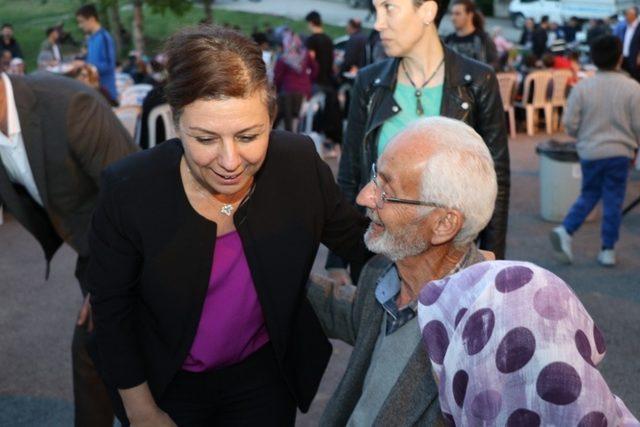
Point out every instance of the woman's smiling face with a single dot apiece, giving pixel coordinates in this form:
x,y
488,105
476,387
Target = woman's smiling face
x,y
225,141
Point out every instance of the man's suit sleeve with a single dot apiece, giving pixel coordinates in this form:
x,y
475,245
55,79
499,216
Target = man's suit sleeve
x,y
333,304
96,136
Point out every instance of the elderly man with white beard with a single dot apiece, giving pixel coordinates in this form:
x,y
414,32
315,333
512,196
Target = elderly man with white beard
x,y
439,336
431,193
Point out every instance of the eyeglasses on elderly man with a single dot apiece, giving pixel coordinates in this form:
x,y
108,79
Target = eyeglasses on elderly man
x,y
381,196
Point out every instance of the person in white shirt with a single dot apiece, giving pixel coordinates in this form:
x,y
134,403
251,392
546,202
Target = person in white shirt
x,y
50,54
56,136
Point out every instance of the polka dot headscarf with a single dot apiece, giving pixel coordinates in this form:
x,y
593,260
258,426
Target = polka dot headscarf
x,y
511,345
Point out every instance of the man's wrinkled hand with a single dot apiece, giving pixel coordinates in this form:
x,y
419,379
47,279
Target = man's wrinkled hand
x,y
340,276
84,317
488,255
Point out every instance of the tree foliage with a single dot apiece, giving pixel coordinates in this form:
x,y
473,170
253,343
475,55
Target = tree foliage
x,y
178,7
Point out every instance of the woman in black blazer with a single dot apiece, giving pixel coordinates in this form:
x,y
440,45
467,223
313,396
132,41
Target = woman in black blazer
x,y
201,249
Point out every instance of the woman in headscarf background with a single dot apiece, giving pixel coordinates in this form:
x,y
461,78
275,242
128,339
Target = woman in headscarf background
x,y
293,76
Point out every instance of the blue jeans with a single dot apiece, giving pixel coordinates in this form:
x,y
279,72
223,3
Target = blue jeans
x,y
606,179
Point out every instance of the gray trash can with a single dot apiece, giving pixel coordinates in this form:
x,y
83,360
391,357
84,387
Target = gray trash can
x,y
560,179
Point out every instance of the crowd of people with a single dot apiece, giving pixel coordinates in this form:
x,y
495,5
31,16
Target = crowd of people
x,y
194,257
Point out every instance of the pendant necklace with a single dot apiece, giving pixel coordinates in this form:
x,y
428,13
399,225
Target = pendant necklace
x,y
226,209
418,92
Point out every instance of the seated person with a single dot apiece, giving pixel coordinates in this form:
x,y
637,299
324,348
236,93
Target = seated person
x,y
432,192
88,74
424,222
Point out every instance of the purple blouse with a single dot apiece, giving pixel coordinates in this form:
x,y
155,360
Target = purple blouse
x,y
232,325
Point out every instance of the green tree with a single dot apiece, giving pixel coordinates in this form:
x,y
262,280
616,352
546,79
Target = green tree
x,y
208,11
178,7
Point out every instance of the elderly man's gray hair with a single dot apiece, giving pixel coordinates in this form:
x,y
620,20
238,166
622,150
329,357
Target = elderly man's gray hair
x,y
460,173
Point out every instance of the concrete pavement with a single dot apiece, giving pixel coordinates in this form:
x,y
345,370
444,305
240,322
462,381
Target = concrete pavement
x,y
36,317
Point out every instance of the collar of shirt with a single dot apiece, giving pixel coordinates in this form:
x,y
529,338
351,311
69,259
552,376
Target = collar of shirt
x,y
13,121
388,288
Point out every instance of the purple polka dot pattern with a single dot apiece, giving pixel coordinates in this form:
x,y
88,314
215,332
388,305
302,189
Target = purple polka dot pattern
x,y
523,418
559,383
551,303
515,350
583,346
431,293
486,405
459,317
477,331
460,382
503,338
599,339
593,419
435,337
513,278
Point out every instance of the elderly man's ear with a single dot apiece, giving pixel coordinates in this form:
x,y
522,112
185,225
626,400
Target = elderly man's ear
x,y
445,226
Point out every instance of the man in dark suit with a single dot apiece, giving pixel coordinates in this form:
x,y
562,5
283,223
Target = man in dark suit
x,y
56,137
629,35
540,37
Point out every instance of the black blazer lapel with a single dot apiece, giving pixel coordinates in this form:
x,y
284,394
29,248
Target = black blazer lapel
x,y
26,104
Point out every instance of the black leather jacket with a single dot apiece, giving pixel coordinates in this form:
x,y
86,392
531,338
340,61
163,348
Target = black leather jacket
x,y
470,94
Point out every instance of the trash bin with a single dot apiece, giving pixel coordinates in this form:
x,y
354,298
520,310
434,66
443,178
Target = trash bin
x,y
560,179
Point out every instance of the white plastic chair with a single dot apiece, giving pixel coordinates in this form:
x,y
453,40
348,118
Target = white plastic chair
x,y
162,112
532,102
123,81
308,110
507,83
128,116
559,81
134,95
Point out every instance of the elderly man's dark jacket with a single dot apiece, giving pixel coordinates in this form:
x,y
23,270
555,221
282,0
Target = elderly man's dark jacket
x,y
354,315
470,94
70,135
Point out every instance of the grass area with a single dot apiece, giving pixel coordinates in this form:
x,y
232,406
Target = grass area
x,y
30,18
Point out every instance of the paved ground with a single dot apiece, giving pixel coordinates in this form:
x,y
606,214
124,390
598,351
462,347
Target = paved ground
x,y
36,317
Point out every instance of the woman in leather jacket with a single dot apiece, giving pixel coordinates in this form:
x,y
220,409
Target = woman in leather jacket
x,y
422,77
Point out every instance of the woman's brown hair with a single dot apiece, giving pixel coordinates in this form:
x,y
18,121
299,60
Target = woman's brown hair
x,y
210,62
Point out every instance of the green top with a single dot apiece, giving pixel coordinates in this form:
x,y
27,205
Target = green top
x,y
405,97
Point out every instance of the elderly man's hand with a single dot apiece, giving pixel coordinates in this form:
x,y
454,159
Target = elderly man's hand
x,y
488,255
340,276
